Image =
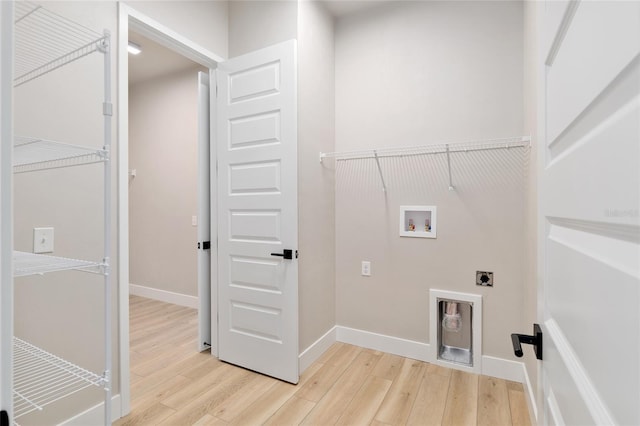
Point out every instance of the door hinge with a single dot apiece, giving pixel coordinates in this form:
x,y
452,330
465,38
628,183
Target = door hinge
x,y
206,245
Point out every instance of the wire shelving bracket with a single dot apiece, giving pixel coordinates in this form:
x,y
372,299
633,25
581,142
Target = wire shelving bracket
x,y
433,149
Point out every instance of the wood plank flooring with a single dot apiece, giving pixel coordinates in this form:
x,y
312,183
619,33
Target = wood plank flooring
x,y
172,384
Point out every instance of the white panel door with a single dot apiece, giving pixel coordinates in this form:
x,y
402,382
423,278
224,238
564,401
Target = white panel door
x,y
204,214
6,225
258,211
589,146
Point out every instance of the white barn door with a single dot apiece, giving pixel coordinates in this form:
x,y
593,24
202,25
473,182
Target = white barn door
x,y
258,211
589,212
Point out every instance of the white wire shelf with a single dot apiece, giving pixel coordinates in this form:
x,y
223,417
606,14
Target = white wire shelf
x,y
25,264
45,41
433,149
40,378
441,148
31,154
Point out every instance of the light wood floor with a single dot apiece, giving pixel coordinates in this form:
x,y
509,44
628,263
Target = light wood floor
x,y
172,384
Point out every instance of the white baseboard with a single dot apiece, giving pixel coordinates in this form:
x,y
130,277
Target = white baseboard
x,y
503,368
164,296
380,342
94,415
530,395
315,350
491,366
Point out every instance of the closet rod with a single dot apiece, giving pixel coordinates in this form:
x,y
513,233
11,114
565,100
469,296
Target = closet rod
x,y
442,148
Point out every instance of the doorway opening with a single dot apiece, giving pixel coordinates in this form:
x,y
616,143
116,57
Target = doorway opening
x,y
150,30
163,204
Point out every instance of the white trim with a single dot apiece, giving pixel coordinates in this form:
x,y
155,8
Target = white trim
x,y
503,368
164,35
131,18
491,366
476,320
6,207
316,349
554,410
531,395
123,207
95,414
380,342
597,407
164,296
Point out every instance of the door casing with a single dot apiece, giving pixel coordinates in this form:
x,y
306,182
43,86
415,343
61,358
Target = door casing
x,y
131,19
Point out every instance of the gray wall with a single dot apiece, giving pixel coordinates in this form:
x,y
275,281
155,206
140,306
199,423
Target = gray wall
x,y
413,73
163,138
316,183
257,24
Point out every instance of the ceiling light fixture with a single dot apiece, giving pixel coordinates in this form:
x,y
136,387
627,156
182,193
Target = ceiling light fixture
x,y
134,48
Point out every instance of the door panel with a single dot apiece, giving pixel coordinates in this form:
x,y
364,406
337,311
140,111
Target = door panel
x,y
204,214
257,196
589,194
586,62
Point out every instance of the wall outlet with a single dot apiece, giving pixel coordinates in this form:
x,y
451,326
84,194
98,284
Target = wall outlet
x,y
194,220
366,268
42,240
484,278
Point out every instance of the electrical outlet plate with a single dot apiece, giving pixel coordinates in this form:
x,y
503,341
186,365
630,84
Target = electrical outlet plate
x,y
366,268
484,278
42,240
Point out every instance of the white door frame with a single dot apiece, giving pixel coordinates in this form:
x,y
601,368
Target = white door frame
x,y
6,208
129,18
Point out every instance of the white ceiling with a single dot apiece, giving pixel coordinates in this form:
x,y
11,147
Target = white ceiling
x,y
154,61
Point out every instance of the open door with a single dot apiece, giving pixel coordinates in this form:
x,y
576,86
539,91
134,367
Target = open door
x,y
589,193
258,211
204,214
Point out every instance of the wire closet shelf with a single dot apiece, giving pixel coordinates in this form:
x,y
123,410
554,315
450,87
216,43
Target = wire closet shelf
x,y
440,148
43,42
32,154
41,378
432,149
25,264
65,41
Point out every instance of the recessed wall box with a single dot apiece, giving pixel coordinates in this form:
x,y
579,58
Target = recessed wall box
x,y
418,221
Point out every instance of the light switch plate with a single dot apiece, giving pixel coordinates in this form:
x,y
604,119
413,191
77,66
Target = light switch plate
x,y
43,240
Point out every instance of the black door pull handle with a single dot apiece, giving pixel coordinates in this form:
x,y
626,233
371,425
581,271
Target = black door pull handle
x,y
535,340
286,253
